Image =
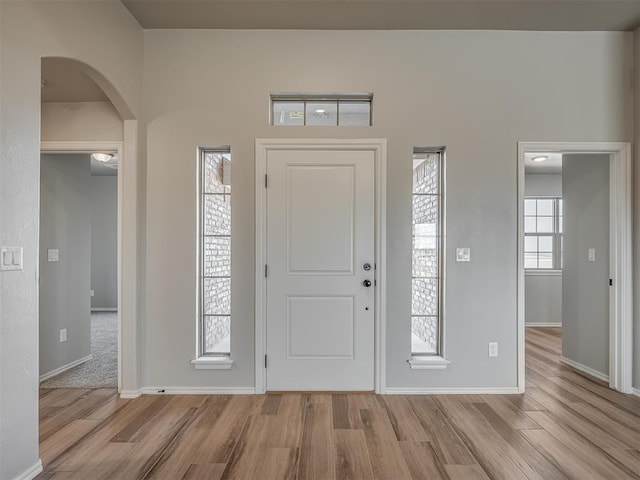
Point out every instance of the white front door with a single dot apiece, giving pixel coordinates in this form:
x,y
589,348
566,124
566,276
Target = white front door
x,y
320,254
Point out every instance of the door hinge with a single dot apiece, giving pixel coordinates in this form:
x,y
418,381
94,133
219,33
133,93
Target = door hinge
x,y
266,181
265,361
266,270
611,282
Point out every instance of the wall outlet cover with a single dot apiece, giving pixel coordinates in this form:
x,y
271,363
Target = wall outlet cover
x,y
63,335
463,254
53,255
493,349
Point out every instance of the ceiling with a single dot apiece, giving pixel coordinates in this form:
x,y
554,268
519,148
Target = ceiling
x,y
553,164
63,81
559,15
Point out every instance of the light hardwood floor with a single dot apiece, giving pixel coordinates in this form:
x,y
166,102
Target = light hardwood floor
x,y
565,426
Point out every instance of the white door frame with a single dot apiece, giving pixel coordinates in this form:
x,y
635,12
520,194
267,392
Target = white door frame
x,y
379,148
620,255
88,147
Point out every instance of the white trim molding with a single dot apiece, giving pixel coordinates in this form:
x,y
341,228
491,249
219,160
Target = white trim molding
x,y
212,363
102,310
198,391
540,325
187,391
451,390
379,147
584,369
64,368
542,273
620,255
32,472
636,392
130,393
434,362
126,243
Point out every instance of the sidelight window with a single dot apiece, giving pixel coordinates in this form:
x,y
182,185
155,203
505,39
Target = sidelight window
x,y
427,247
215,252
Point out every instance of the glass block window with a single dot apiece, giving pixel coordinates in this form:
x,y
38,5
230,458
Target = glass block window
x,y
318,109
543,233
426,275
215,251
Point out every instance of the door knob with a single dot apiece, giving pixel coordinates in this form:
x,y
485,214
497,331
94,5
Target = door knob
x,y
366,283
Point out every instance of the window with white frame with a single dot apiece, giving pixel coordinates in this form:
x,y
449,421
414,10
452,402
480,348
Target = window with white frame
x,y
321,109
543,233
215,251
427,238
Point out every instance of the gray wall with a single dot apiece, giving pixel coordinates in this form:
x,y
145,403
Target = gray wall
x,y
65,224
104,242
80,121
543,299
585,289
543,184
543,292
28,32
465,90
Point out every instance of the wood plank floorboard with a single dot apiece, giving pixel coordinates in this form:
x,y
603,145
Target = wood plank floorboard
x,y
566,426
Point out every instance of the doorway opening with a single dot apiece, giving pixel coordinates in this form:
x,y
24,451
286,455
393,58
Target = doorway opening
x,y
78,288
84,124
574,259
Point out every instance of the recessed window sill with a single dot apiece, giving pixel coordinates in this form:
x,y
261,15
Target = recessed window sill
x,y
428,363
212,363
542,273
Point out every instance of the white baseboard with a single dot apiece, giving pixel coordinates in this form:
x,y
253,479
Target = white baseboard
x,y
635,391
130,393
188,391
543,324
98,309
32,472
450,390
584,368
63,368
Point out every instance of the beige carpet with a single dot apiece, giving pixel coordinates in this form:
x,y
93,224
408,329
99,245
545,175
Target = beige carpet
x,y
102,370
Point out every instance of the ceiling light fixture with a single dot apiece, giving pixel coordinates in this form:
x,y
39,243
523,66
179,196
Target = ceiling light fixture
x,y
321,111
540,158
102,157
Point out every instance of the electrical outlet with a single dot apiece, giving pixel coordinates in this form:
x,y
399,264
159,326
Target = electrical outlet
x,y
493,349
53,255
63,335
463,254
92,293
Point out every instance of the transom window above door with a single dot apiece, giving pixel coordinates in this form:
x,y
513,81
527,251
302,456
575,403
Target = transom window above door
x,y
321,109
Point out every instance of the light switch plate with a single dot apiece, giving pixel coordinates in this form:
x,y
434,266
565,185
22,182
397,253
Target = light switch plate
x,y
11,258
591,254
463,254
53,255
